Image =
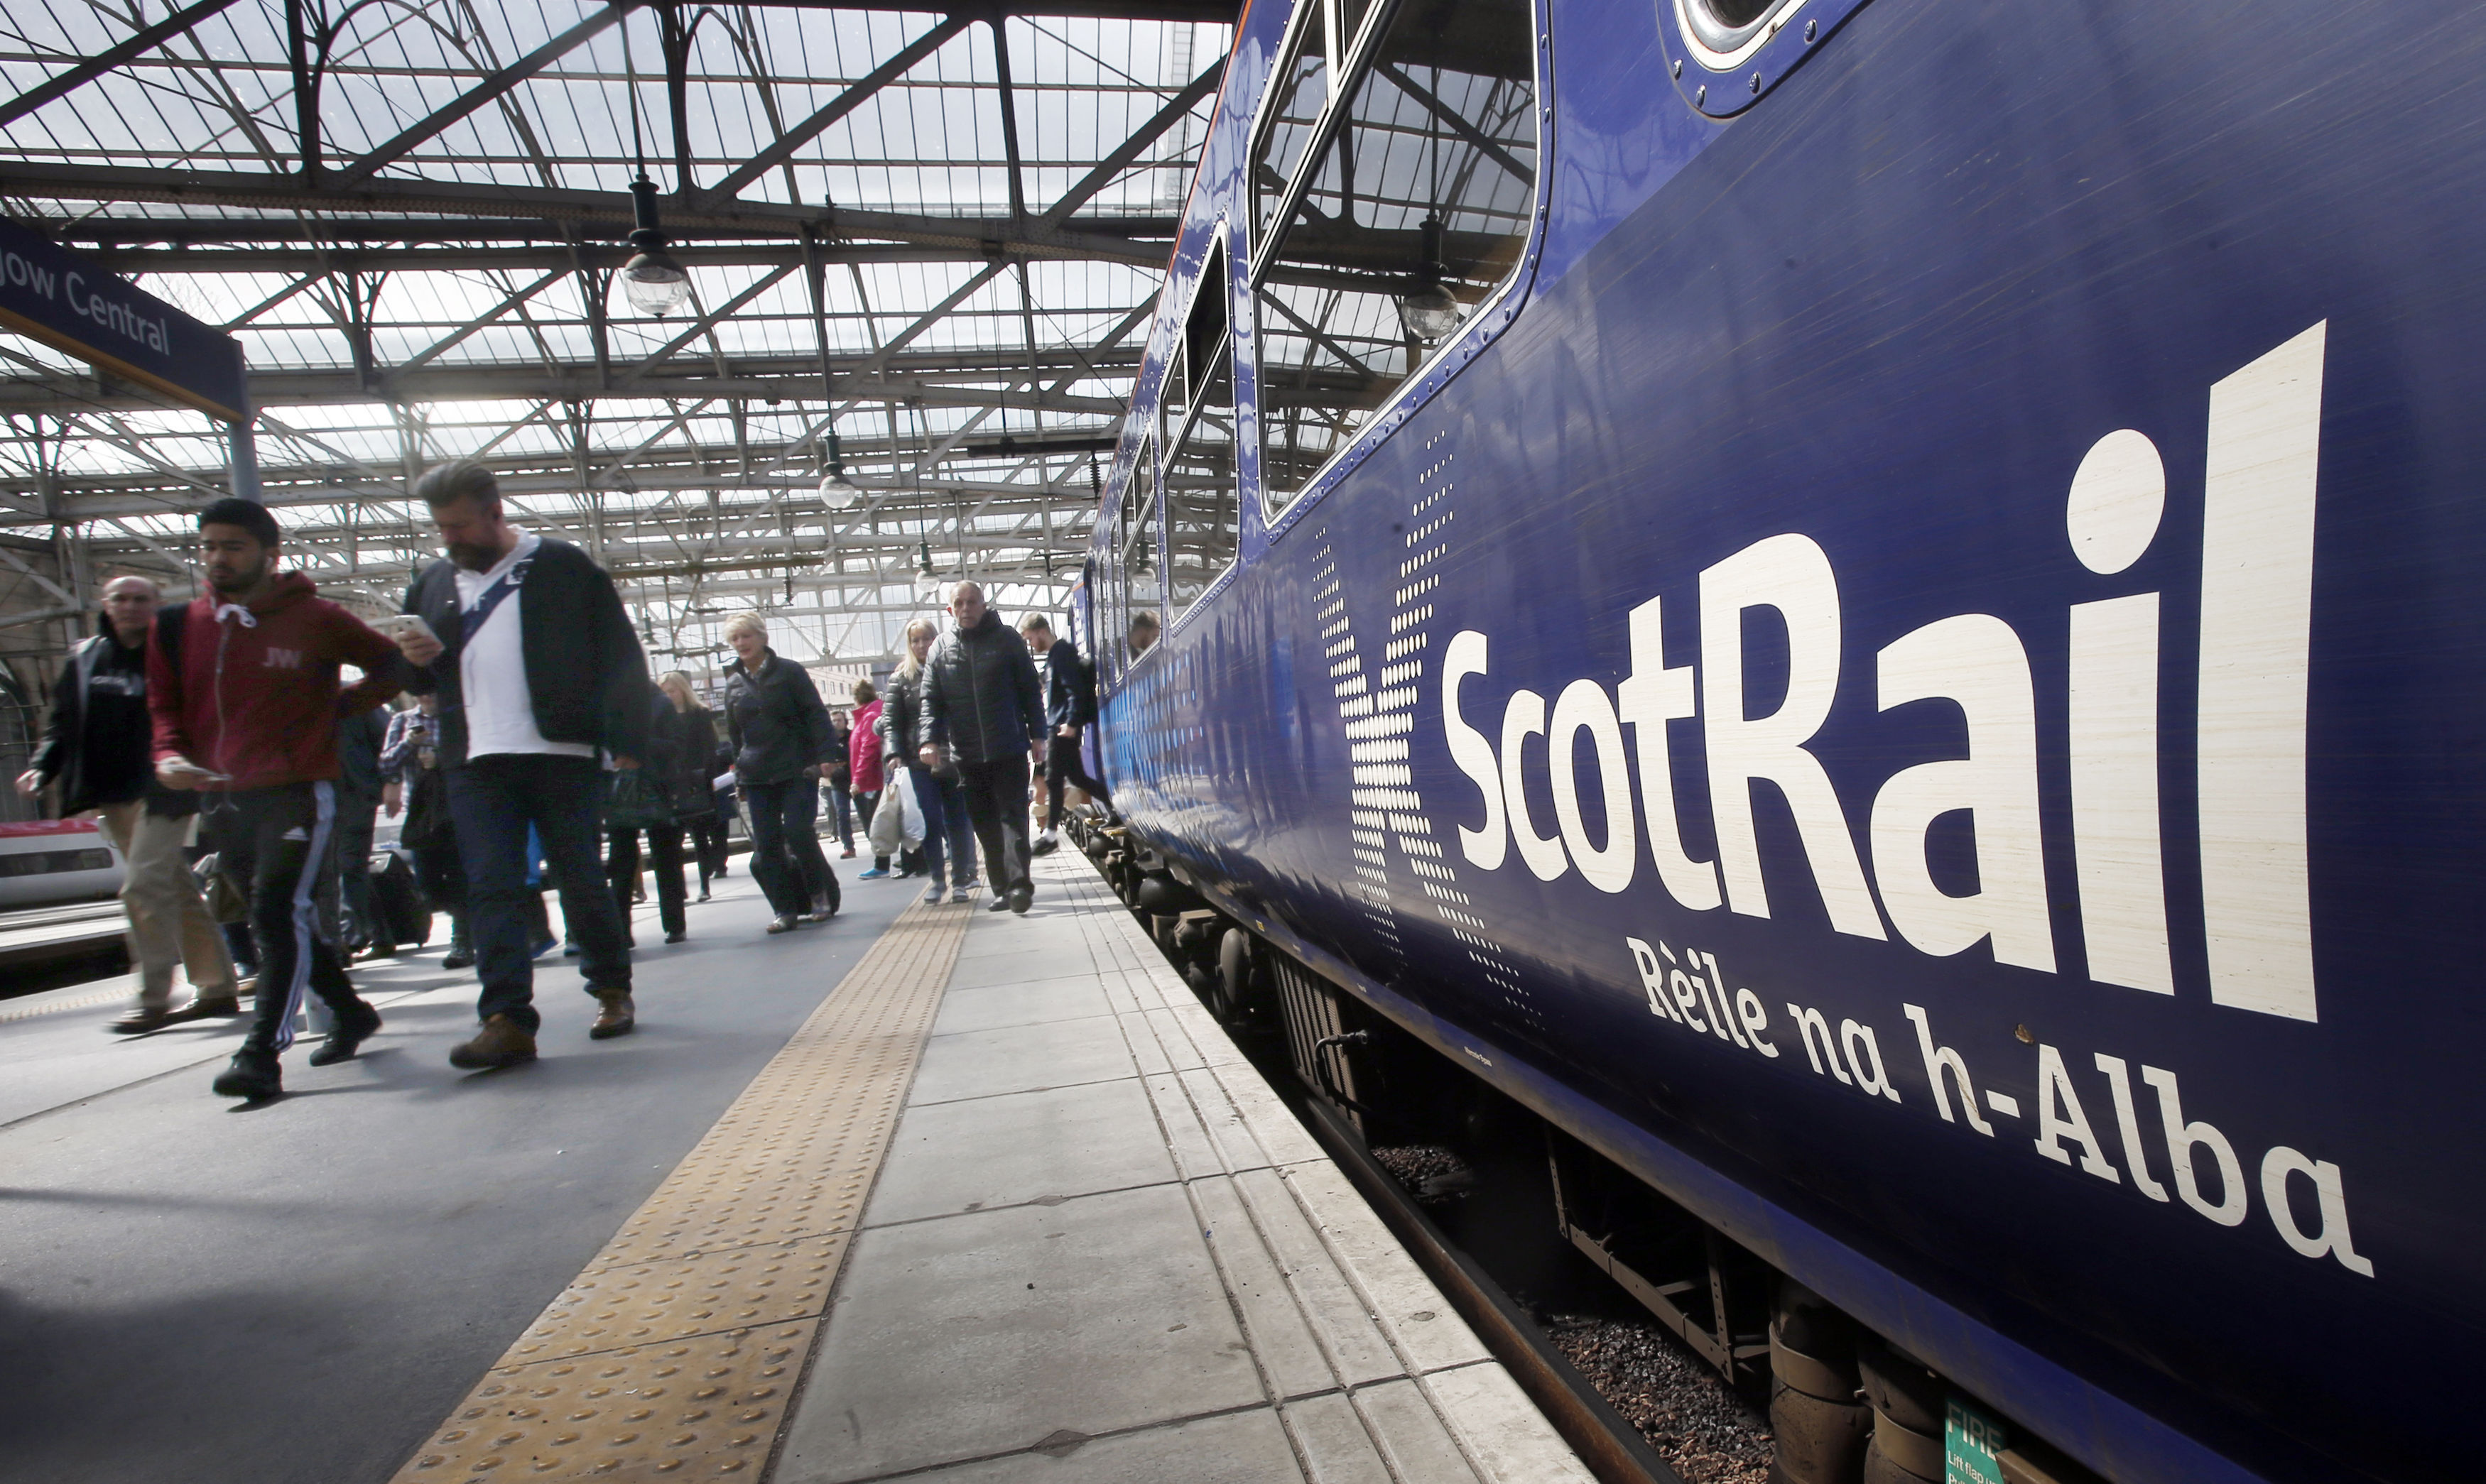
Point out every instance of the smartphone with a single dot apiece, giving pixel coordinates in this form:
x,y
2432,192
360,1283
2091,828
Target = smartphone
x,y
398,625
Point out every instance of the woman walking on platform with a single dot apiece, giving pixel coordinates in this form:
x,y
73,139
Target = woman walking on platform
x,y
864,756
694,790
949,838
781,736
682,787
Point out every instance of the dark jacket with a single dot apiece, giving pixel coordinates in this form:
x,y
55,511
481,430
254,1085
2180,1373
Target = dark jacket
x,y
253,692
780,728
95,743
981,697
1070,686
359,741
584,669
901,716
690,747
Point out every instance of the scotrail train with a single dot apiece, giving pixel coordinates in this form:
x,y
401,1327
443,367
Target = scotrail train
x,y
1873,608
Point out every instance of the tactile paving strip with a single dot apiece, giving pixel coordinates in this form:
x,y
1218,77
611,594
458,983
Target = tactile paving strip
x,y
673,1355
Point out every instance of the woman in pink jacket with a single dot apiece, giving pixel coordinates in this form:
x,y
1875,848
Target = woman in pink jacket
x,y
864,751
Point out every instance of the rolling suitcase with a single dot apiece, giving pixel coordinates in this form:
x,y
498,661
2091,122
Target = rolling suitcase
x,y
399,900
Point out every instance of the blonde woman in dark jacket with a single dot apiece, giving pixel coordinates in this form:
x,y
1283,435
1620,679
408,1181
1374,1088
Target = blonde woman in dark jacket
x,y
949,836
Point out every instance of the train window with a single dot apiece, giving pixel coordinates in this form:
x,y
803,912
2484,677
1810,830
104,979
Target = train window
x,y
1204,332
1301,89
1417,211
1140,583
1350,19
1204,515
1724,34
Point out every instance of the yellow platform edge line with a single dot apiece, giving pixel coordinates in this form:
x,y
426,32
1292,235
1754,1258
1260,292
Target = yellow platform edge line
x,y
675,1352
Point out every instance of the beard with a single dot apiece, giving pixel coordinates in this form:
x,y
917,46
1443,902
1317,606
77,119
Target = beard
x,y
474,558
238,580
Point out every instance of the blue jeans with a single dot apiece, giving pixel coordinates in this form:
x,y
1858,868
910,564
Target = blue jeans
x,y
948,831
844,802
493,800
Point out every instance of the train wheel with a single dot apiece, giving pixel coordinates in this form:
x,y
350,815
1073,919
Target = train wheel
x,y
1234,975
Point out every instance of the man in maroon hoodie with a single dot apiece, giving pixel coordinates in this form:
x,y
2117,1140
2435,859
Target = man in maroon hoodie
x,y
246,712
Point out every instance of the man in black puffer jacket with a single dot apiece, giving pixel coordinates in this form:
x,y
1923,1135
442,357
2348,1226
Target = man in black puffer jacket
x,y
982,704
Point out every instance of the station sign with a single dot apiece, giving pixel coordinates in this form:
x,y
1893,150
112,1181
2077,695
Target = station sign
x,y
73,304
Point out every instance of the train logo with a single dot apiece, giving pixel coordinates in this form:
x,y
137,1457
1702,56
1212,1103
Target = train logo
x,y
2256,610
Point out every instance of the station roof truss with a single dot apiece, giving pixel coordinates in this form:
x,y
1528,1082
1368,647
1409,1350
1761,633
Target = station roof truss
x,y
941,233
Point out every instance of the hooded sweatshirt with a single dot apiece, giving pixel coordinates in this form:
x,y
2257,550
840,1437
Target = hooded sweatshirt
x,y
256,693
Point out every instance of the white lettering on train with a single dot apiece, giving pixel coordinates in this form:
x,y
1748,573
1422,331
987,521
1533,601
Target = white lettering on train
x,y
2201,1160
2256,607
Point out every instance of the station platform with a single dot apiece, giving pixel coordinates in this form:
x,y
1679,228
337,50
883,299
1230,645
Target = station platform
x,y
927,1193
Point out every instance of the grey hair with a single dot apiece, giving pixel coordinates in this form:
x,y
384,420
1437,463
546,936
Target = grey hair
x,y
463,479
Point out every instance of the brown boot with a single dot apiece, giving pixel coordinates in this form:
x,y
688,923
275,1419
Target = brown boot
x,y
502,1042
616,1017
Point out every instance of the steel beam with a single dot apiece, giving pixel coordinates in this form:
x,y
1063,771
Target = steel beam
x,y
1112,239
119,54
844,103
1131,149
486,90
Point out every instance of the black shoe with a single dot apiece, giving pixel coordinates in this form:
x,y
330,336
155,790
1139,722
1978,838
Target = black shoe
x,y
141,1021
459,958
676,937
343,1042
999,903
1020,897
1046,844
252,1076
202,1009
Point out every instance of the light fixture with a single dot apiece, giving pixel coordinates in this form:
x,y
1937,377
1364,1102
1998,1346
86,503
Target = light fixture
x,y
837,491
654,283
1430,311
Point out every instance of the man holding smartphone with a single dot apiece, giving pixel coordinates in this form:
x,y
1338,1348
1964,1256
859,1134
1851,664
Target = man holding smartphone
x,y
245,712
525,641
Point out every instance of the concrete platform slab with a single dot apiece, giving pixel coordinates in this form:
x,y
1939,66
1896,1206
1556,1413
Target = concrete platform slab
x,y
985,1153
987,1063
1102,1249
1003,1006
986,1333
1244,1447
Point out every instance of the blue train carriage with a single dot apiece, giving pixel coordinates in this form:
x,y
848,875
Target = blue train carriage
x,y
1872,608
